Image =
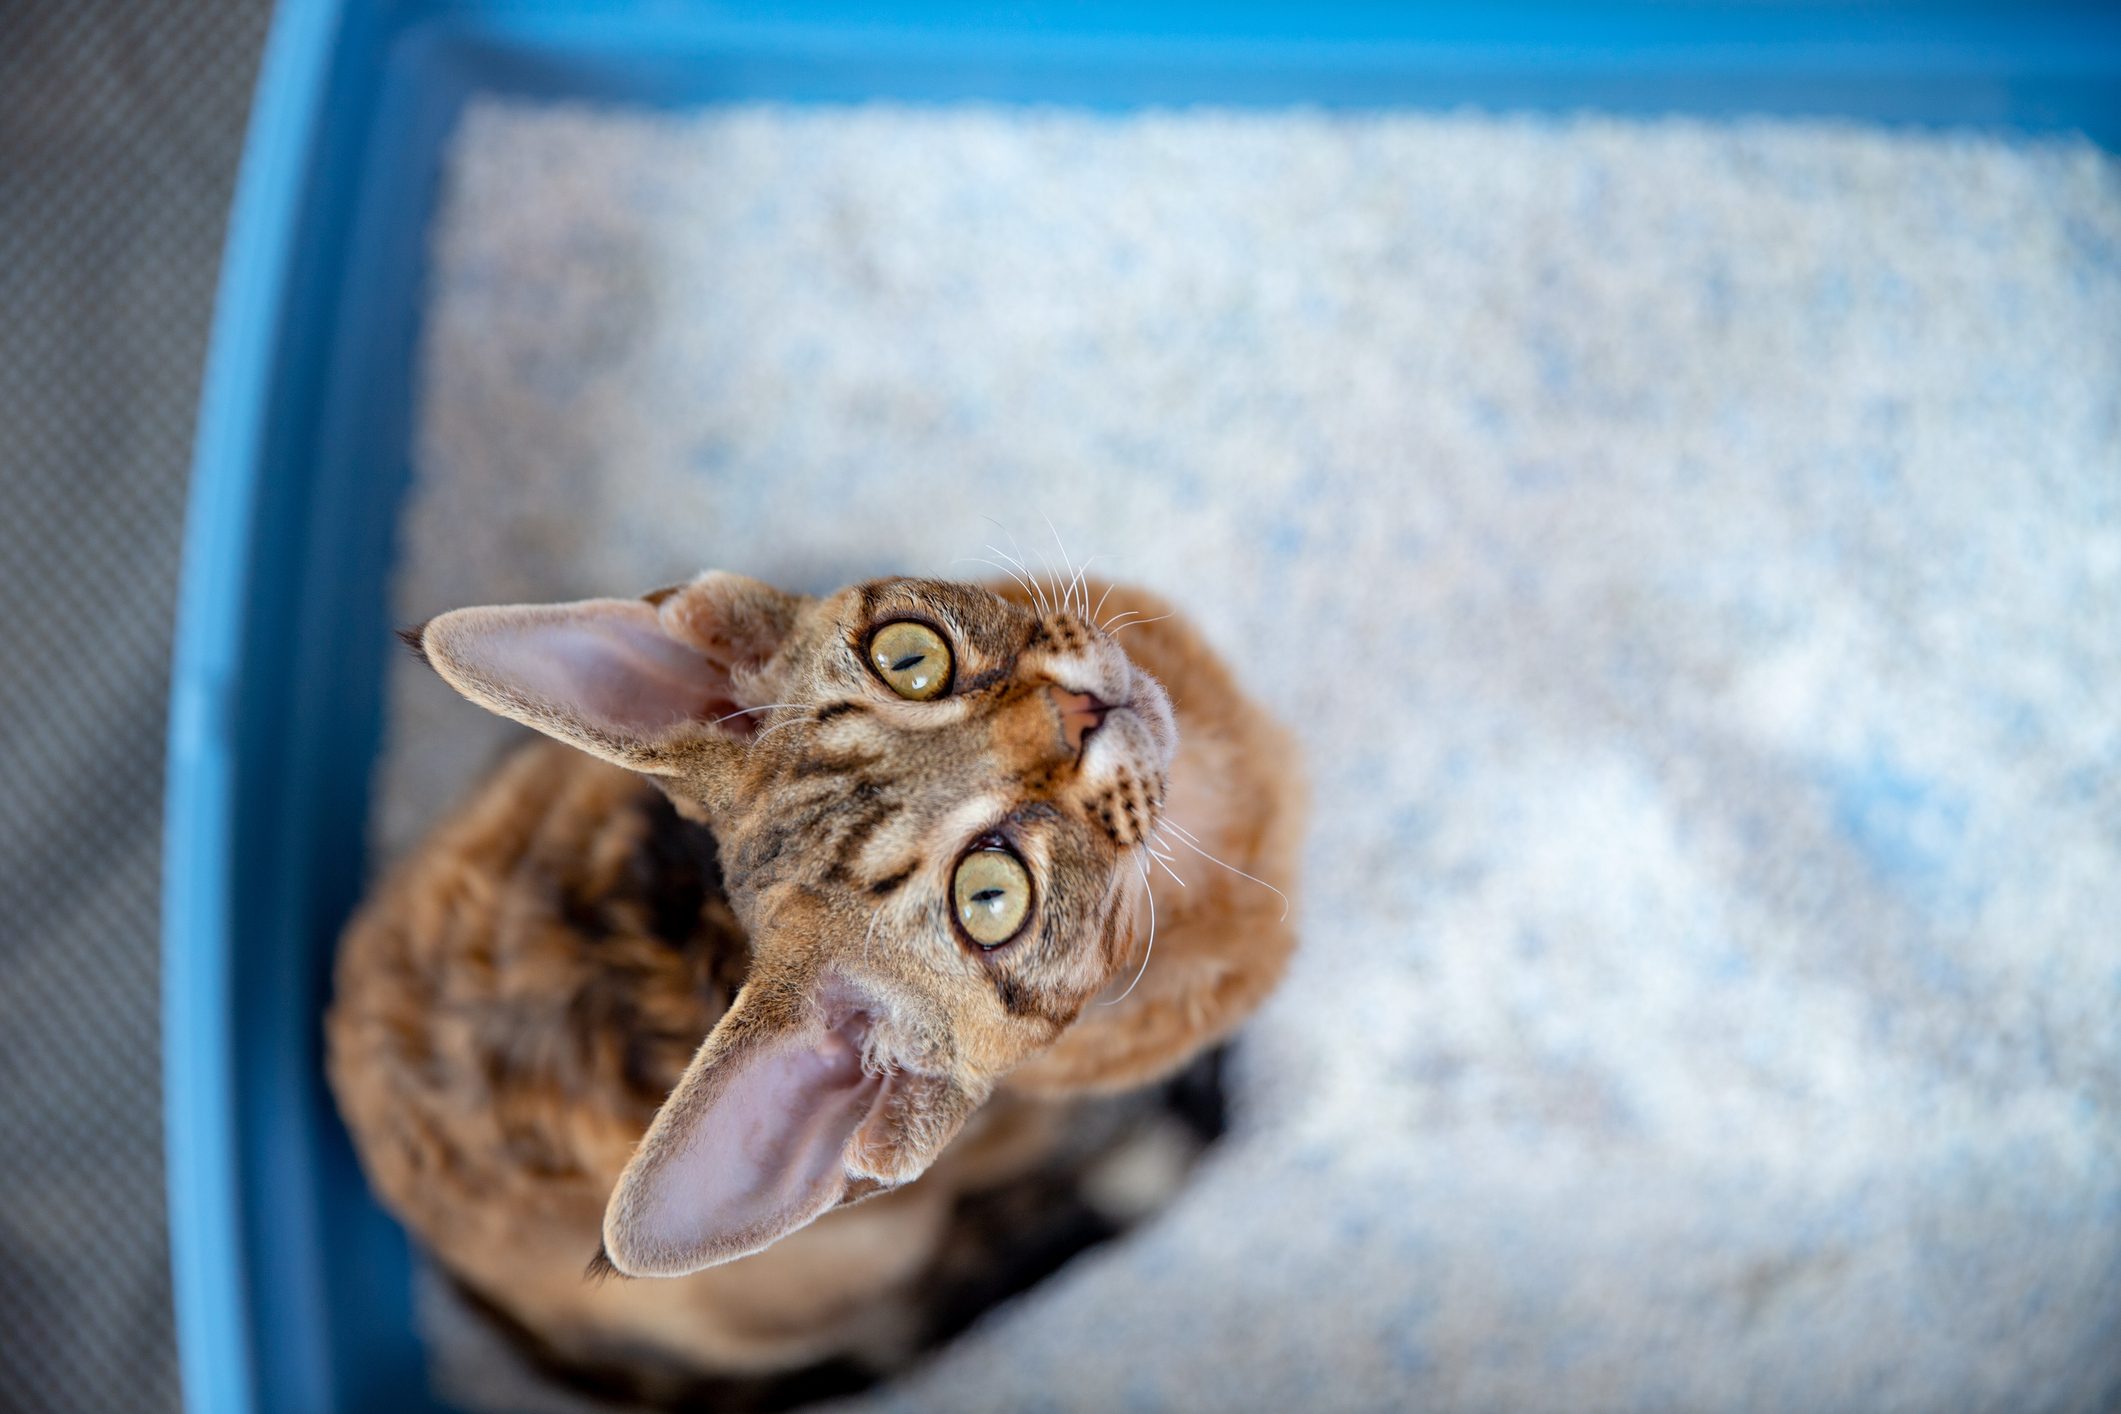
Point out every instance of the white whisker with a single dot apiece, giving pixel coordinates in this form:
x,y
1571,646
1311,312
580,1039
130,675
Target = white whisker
x,y
747,711
1149,951
983,560
1101,600
869,934
781,726
1079,586
1037,593
1016,559
1067,594
1162,864
1185,837
1139,622
1025,577
1052,580
1082,578
1020,565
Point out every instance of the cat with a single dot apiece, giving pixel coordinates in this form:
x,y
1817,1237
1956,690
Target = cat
x,y
816,915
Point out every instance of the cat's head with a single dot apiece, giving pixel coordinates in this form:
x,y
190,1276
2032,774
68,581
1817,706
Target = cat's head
x,y
930,802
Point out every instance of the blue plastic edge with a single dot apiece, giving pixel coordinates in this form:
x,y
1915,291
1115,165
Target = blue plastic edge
x,y
199,1081
240,1346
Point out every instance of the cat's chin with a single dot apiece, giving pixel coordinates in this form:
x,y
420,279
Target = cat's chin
x,y
1149,704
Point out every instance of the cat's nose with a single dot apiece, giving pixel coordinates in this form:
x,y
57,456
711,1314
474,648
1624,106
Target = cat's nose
x,y
1080,714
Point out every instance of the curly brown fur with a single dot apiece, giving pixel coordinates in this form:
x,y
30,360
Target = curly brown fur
x,y
552,1019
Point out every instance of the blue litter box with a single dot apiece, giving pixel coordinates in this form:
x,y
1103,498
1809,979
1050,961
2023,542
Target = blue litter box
x,y
292,1287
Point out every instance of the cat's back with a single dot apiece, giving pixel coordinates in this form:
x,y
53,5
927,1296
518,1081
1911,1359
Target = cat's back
x,y
521,994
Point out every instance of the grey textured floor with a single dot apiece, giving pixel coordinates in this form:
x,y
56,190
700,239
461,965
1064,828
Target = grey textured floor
x,y
120,129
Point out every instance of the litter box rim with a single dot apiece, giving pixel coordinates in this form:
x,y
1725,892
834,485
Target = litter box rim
x,y
287,1300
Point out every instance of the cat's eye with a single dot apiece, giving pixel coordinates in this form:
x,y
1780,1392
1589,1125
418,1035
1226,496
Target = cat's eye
x,y
912,659
992,893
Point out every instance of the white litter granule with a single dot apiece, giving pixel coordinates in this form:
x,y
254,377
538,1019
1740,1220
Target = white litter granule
x,y
1691,556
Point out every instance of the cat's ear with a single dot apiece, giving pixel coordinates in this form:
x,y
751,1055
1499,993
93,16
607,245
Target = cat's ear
x,y
774,1123
738,622
750,1146
634,681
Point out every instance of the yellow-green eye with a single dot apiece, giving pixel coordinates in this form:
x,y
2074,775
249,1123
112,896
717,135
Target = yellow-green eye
x,y
912,659
992,892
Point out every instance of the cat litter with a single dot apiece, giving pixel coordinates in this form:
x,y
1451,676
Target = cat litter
x,y
1691,557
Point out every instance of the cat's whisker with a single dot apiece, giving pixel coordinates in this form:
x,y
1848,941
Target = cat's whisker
x,y
1161,852
1186,838
781,726
1101,600
1029,584
1148,952
1044,607
1074,586
1121,617
1079,585
983,560
1067,594
1082,580
747,711
1139,622
1053,579
1016,560
869,934
1040,594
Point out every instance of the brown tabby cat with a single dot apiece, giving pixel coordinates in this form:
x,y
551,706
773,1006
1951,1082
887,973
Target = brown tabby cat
x,y
920,903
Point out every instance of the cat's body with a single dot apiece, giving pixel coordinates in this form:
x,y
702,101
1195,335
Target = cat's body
x,y
518,1001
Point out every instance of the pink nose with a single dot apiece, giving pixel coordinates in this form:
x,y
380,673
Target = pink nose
x,y
1080,715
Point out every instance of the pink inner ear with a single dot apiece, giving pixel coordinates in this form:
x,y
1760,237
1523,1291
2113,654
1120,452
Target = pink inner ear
x,y
749,1147
606,663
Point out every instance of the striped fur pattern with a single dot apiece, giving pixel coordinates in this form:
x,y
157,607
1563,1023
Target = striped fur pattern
x,y
726,898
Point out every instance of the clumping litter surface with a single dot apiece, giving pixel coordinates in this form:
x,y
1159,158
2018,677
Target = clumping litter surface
x,y
1691,557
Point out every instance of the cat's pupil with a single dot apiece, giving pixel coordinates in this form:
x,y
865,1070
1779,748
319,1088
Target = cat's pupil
x,y
908,661
987,896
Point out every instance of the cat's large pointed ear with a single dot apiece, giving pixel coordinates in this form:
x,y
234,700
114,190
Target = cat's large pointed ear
x,y
751,1145
631,680
773,1124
